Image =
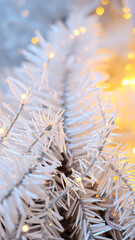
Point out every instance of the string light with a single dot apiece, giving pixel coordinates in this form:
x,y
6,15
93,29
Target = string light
x,y
25,228
128,67
114,178
125,82
126,9
1,131
25,13
100,11
51,55
133,150
50,224
82,30
132,203
76,32
104,199
97,195
114,214
79,179
131,55
34,40
105,2
127,16
23,96
71,36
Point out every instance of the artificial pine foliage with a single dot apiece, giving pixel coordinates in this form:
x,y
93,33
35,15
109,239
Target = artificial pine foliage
x,y
62,176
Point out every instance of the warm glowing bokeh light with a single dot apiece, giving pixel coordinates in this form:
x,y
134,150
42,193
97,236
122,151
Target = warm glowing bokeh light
x,y
127,16
125,82
50,224
34,40
1,131
133,150
114,178
71,36
100,11
82,30
79,179
105,2
76,32
131,55
23,96
51,55
25,13
128,67
25,228
126,9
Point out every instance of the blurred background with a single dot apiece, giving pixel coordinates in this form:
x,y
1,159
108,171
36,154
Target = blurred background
x,y
20,19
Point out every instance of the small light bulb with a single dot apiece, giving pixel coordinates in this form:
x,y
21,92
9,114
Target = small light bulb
x,y
133,150
100,11
97,195
128,67
133,30
23,96
79,179
132,203
71,36
114,214
125,82
50,224
34,40
103,199
127,16
82,30
25,13
76,32
114,178
105,2
51,55
126,9
131,55
25,228
1,131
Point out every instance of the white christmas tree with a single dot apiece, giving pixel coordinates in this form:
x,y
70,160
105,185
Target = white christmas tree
x,y
62,175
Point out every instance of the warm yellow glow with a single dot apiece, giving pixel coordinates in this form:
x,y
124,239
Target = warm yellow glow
x,y
1,131
50,224
51,55
23,96
132,203
126,9
133,30
131,55
25,228
97,195
71,36
114,178
104,199
133,150
79,179
132,81
128,67
114,214
127,15
105,2
82,30
34,40
25,13
125,82
76,32
100,11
